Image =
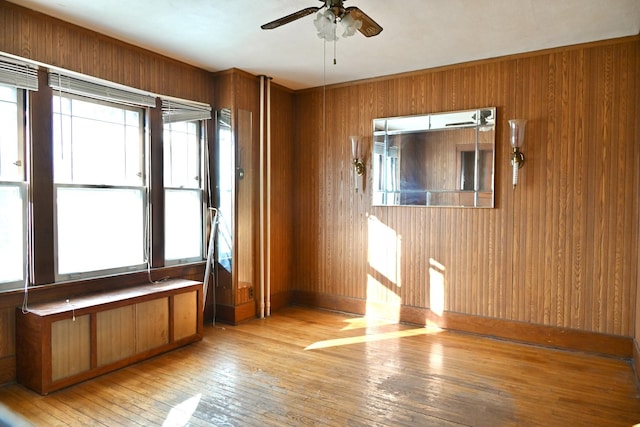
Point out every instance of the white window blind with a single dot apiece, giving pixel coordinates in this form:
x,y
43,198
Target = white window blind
x,y
104,91
18,74
184,111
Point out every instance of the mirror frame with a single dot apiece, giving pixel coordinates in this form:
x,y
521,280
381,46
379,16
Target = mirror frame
x,y
436,169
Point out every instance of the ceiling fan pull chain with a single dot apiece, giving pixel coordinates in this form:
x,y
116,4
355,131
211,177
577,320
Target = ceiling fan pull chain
x,y
335,40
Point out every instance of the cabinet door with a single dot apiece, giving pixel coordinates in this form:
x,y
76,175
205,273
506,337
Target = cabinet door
x,y
70,347
115,334
152,324
185,314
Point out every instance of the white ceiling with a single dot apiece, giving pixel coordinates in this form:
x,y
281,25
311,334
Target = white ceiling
x,y
418,34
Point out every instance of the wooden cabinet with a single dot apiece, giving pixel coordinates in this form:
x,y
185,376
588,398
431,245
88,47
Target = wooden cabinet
x,y
65,342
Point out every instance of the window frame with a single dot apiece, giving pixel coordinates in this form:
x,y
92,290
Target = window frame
x,y
22,184
143,188
201,135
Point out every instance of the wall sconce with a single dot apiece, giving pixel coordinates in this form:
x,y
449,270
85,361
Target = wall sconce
x,y
516,127
358,163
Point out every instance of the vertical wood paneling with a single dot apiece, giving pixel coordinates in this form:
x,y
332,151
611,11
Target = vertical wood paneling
x,y
282,182
115,334
39,37
7,332
185,320
70,347
47,40
561,249
151,324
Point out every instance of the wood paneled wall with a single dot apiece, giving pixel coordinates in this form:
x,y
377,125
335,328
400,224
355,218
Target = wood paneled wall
x,y
561,249
38,37
47,40
239,90
282,183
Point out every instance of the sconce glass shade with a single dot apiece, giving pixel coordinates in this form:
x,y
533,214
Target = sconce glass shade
x,y
355,147
517,127
358,164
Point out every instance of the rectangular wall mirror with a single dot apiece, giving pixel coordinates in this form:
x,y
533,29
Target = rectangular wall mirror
x,y
442,159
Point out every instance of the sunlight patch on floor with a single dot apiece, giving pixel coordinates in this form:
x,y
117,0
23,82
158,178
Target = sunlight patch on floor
x,y
366,322
371,338
180,414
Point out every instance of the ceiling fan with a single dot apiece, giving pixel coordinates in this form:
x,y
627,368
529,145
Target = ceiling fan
x,y
367,26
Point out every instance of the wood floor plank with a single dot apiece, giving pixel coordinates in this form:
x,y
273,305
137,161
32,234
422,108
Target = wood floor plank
x,y
304,367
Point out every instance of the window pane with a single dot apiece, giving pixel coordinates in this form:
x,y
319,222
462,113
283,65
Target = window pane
x,y
93,145
11,233
62,148
183,224
12,189
10,148
8,94
99,228
226,176
97,152
181,155
97,111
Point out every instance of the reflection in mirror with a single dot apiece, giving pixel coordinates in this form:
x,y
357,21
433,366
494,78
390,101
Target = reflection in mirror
x,y
244,201
443,159
226,177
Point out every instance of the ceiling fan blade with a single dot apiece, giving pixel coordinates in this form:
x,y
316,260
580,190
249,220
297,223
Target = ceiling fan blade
x,y
369,26
289,18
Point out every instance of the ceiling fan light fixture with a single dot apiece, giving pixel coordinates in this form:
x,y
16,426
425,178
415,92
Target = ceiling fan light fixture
x,y
325,23
351,19
350,25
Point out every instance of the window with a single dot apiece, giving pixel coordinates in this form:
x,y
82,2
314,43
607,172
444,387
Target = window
x,y
100,186
100,178
183,191
13,189
16,78
226,179
184,142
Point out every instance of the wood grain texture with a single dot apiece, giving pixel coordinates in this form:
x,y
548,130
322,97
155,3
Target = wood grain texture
x,y
559,250
65,342
41,190
282,266
155,181
185,313
70,347
7,329
312,367
525,332
115,335
7,369
152,324
245,254
48,40
239,91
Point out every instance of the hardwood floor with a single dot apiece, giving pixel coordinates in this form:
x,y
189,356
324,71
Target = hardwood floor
x,y
308,367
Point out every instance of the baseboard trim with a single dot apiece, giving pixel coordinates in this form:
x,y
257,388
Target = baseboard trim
x,y
280,300
235,314
528,333
249,310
